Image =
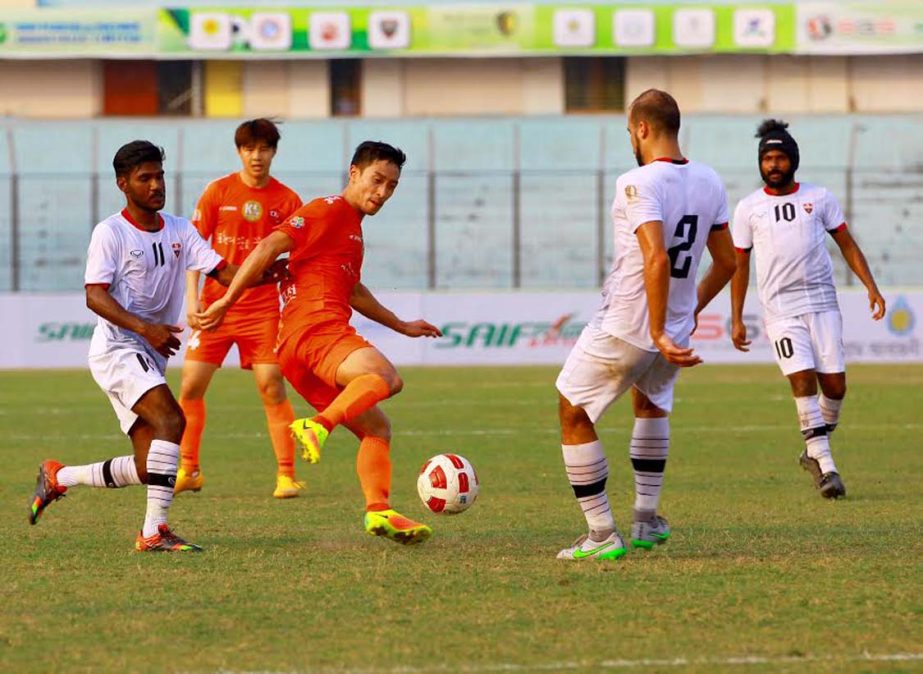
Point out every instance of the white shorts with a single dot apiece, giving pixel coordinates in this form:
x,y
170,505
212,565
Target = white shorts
x,y
601,368
808,342
126,374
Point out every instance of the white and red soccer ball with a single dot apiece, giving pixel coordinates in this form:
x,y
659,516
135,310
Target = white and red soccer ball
x,y
447,484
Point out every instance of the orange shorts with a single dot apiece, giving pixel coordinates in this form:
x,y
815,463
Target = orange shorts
x,y
309,361
255,338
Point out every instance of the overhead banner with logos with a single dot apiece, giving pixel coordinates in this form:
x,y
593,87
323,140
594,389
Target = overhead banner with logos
x,y
504,328
850,27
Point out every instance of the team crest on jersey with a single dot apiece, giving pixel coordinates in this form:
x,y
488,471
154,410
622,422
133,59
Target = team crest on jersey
x,y
808,208
631,192
137,253
253,211
274,214
297,222
177,247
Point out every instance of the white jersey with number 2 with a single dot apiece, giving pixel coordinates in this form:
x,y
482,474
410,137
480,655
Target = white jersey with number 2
x,y
788,235
690,200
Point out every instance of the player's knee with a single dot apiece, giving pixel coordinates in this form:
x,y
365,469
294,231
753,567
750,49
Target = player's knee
x,y
395,384
171,425
272,391
379,428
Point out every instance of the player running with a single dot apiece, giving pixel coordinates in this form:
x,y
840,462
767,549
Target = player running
x,y
235,213
338,372
785,223
665,214
136,266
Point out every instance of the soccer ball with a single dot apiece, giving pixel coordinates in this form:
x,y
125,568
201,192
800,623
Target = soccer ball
x,y
447,484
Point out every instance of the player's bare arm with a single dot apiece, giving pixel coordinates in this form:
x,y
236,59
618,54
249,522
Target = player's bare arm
x,y
860,267
162,337
657,288
193,305
251,272
363,301
739,283
722,268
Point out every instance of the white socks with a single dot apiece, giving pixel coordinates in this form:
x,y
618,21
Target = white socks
x,y
162,460
830,409
814,429
650,444
587,471
117,472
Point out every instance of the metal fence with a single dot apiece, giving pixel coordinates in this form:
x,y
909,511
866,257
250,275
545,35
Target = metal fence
x,y
523,221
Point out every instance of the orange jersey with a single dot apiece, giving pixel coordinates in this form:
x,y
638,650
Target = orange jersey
x,y
324,264
236,217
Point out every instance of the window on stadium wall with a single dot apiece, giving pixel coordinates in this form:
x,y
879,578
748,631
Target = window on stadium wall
x,y
148,88
594,84
345,87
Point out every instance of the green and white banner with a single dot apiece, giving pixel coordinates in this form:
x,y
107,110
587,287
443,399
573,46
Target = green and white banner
x,y
483,29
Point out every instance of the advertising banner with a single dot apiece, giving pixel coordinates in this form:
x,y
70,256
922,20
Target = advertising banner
x,y
502,328
850,27
78,33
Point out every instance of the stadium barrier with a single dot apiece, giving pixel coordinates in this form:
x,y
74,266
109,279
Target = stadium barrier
x,y
500,328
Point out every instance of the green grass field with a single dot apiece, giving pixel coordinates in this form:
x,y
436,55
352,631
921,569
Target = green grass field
x,y
761,575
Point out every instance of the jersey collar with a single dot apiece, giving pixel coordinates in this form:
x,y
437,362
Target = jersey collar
x,y
797,187
673,161
133,223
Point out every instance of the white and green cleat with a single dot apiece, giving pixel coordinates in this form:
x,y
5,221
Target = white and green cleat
x,y
648,533
612,547
311,436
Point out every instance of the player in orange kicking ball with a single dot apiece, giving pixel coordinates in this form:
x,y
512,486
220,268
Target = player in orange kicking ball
x,y
340,374
235,213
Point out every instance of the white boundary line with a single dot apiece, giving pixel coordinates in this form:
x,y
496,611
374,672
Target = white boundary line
x,y
738,661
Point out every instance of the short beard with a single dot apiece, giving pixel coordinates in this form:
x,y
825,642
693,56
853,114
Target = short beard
x,y
787,178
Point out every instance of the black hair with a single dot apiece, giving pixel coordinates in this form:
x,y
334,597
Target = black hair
x,y
133,154
370,151
774,135
658,108
257,130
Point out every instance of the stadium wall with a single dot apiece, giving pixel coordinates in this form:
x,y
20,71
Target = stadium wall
x,y
504,328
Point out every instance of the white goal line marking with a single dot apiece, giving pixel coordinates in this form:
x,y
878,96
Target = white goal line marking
x,y
740,661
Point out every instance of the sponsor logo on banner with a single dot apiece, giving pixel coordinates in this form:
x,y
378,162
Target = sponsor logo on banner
x,y
694,28
329,30
633,28
754,27
506,23
389,30
819,27
901,320
210,30
574,28
65,332
271,31
562,331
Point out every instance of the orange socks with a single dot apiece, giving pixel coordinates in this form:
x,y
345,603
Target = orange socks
x,y
194,411
279,417
373,463
361,394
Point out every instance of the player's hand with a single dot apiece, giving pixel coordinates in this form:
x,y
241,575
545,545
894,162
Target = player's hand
x,y
163,338
679,356
420,328
192,317
876,304
739,336
276,272
211,318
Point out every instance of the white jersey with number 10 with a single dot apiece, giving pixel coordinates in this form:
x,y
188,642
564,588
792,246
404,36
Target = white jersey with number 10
x,y
690,200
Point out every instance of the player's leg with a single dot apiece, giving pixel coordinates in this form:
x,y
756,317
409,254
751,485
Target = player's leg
x,y
827,337
279,418
373,466
598,370
830,400
156,438
650,446
196,377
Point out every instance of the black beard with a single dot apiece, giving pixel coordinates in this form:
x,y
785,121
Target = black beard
x,y
787,178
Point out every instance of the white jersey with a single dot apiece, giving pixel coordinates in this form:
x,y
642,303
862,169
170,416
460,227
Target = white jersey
x,y
788,234
145,272
689,199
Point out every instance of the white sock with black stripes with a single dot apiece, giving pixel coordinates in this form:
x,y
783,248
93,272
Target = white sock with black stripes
x,y
587,471
814,430
650,445
118,472
162,460
830,409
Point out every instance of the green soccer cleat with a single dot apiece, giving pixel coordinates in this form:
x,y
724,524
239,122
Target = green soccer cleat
x,y
391,524
648,533
311,436
47,489
611,548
